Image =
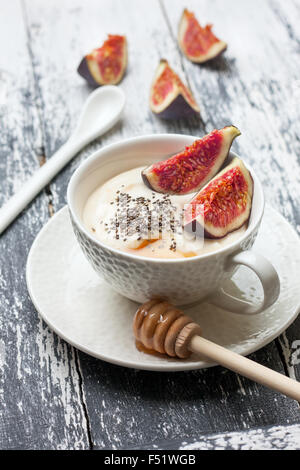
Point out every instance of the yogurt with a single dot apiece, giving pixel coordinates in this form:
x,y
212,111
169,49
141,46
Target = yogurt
x,y
127,215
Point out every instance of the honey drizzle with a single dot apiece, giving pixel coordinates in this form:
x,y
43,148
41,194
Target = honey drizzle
x,y
140,347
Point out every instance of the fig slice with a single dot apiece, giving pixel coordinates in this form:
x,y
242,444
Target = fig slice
x,y
224,204
192,168
198,44
107,64
169,97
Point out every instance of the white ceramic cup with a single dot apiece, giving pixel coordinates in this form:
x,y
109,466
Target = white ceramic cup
x,y
181,281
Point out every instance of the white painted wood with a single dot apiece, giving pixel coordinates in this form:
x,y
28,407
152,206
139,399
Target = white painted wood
x,y
256,87
40,391
224,94
273,438
268,438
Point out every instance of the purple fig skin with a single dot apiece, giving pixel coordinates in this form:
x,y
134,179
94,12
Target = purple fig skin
x,y
146,181
84,72
179,108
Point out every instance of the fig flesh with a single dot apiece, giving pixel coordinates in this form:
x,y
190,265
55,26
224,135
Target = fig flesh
x,y
169,97
107,64
192,168
224,204
198,44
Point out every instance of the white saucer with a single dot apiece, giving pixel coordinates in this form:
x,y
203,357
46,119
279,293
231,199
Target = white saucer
x,y
87,313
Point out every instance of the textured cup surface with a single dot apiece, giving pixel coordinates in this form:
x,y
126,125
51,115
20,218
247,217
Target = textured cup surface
x,y
180,281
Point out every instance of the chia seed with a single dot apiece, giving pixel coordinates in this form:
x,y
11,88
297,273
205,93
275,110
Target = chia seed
x,y
144,218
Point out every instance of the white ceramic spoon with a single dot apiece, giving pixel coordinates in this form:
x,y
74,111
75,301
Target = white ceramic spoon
x,y
101,111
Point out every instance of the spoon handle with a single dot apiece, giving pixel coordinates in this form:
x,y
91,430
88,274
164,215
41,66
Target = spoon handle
x,y
37,182
245,367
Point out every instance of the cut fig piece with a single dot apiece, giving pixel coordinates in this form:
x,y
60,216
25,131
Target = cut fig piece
x,y
224,204
169,97
192,168
198,44
107,64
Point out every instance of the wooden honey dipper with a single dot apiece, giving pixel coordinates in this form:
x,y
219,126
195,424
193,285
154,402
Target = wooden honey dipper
x,y
163,328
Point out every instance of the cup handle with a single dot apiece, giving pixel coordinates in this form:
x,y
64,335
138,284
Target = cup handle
x,y
267,276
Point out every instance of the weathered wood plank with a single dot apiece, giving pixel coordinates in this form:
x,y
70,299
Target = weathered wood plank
x,y
289,20
124,408
268,438
41,405
77,28
256,86
252,86
132,408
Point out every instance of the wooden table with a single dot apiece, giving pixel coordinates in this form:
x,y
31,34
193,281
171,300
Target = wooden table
x,y
52,396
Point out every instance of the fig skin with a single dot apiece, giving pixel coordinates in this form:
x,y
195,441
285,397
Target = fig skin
x,y
199,225
89,67
216,49
84,71
176,104
192,168
178,109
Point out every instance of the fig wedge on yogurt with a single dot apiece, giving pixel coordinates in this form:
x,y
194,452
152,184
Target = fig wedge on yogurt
x,y
224,204
169,97
107,64
192,168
